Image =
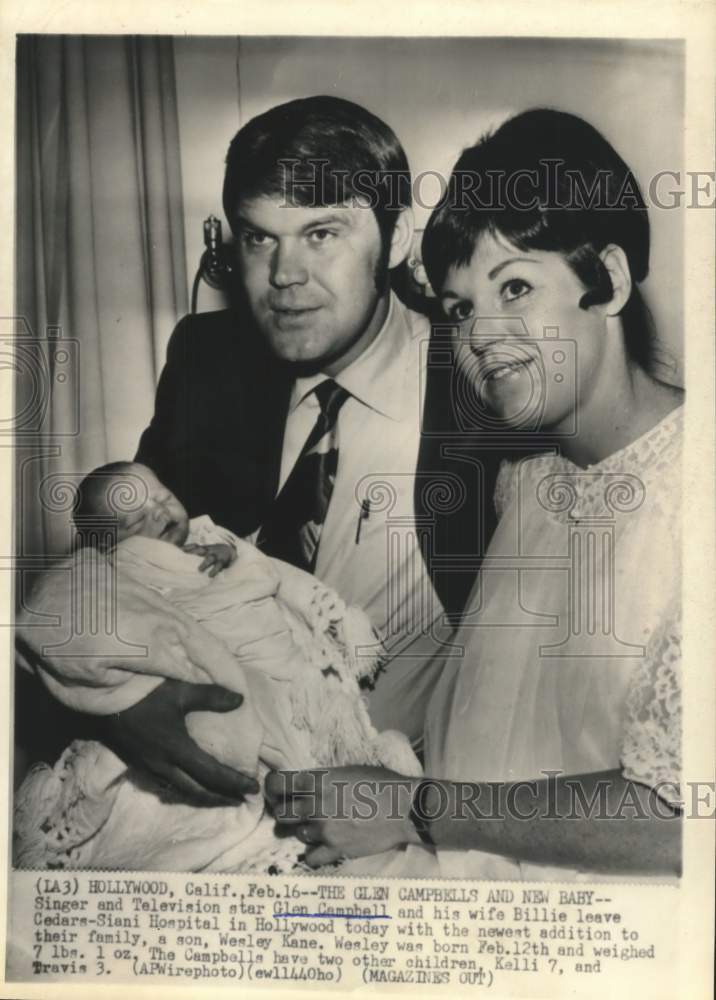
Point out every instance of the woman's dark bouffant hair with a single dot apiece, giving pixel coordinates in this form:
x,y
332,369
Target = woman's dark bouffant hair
x,y
547,180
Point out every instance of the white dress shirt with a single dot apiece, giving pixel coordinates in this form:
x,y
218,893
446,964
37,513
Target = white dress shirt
x,y
379,567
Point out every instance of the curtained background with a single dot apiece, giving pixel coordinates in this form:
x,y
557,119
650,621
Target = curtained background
x,y
120,150
101,265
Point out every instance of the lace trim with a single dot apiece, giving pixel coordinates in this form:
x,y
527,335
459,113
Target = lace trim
x,y
651,748
654,459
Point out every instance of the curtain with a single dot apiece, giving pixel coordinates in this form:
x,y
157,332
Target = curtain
x,y
101,273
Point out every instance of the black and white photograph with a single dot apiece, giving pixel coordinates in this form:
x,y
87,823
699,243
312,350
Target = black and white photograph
x,y
348,442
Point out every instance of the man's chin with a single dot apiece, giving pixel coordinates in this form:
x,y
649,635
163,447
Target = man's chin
x,y
296,352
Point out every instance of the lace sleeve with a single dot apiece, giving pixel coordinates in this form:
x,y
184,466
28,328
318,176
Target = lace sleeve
x,y
651,748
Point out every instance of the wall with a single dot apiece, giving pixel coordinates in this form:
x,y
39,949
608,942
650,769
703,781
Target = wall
x,y
439,95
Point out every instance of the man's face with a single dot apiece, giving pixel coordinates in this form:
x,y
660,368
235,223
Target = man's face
x,y
310,277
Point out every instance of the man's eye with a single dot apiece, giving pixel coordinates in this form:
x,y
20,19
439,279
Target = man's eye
x,y
515,288
320,235
254,239
459,311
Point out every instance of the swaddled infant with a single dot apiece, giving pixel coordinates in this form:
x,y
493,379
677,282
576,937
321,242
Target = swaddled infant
x,y
279,622
299,654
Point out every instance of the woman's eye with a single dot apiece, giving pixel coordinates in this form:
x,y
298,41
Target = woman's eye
x,y
515,288
459,311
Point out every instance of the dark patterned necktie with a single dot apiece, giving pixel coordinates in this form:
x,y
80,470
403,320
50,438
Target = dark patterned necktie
x,y
292,529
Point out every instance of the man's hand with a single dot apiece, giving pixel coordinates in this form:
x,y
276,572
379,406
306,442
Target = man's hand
x,y
343,812
152,735
216,557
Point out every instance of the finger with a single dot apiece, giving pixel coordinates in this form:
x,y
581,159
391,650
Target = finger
x,y
216,569
218,779
281,785
285,784
323,854
207,561
308,833
181,782
274,785
193,548
209,698
296,809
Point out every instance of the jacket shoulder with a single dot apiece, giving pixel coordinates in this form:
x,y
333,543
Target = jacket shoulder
x,y
225,335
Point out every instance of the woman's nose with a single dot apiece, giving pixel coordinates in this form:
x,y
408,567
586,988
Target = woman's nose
x,y
499,330
288,266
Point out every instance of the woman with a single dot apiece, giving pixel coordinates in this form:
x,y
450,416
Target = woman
x,y
564,708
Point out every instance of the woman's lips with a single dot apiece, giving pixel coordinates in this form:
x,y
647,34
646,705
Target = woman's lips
x,y
508,369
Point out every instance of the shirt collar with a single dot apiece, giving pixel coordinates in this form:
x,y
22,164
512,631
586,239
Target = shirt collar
x,y
377,376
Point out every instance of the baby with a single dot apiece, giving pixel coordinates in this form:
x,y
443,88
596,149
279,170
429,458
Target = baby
x,y
145,507
299,654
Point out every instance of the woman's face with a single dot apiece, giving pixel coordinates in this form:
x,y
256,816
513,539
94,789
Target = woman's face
x,y
529,350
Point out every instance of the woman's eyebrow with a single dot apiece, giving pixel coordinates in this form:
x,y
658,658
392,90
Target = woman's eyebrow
x,y
511,260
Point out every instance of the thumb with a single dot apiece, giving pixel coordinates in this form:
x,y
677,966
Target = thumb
x,y
210,698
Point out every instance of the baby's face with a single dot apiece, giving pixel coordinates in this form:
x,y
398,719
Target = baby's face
x,y
161,516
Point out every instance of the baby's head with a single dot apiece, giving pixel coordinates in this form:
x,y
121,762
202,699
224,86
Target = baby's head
x,y
141,504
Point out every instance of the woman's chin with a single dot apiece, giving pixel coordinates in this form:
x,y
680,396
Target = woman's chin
x,y
517,413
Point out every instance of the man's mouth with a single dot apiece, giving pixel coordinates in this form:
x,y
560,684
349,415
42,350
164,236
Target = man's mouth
x,y
291,318
294,310
169,526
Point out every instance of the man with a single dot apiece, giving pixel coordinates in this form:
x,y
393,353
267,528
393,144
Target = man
x,y
296,415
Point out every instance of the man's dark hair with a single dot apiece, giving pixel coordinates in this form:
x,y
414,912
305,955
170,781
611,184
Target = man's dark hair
x,y
319,151
548,180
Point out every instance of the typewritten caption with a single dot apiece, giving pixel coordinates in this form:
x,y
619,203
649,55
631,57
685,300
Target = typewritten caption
x,y
215,929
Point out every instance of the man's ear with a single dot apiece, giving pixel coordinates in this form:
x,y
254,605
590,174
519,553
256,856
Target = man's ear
x,y
616,263
402,238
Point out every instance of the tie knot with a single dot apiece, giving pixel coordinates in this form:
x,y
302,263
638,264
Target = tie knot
x,y
331,398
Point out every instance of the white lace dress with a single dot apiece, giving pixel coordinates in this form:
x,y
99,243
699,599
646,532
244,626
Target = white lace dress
x,y
568,659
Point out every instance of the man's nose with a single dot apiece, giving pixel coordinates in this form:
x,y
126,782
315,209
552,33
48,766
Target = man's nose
x,y
288,265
